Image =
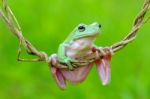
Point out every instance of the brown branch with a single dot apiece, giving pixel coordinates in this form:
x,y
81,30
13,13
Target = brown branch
x,y
12,23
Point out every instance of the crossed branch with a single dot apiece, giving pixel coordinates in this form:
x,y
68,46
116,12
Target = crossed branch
x,y
11,22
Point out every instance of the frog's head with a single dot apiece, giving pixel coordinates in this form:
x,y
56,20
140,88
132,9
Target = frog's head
x,y
83,30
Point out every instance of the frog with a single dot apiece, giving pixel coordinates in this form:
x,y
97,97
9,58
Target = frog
x,y
78,43
76,47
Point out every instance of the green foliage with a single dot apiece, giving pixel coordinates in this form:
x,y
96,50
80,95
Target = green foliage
x,y
47,23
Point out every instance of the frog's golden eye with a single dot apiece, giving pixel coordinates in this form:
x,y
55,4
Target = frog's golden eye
x,y
81,28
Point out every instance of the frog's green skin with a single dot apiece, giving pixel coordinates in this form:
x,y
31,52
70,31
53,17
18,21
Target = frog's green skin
x,y
79,43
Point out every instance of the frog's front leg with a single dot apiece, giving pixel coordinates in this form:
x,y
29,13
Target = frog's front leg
x,y
62,56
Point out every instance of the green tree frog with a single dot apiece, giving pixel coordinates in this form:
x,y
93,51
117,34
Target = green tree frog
x,y
80,43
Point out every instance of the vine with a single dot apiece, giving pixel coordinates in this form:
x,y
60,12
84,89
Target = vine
x,y
11,22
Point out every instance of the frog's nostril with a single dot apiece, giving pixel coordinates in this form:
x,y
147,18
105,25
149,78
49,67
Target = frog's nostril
x,y
99,26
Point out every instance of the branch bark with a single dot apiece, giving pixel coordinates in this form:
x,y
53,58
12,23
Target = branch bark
x,y
11,22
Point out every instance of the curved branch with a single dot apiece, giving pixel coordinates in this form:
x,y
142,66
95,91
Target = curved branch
x,y
12,23
138,23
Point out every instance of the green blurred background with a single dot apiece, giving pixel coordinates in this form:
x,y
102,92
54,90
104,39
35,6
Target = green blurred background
x,y
46,23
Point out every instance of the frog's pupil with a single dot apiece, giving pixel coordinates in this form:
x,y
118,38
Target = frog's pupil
x,y
81,28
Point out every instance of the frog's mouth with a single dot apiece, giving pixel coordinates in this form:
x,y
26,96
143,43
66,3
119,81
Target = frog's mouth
x,y
86,36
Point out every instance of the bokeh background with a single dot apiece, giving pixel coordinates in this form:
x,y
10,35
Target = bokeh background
x,y
46,23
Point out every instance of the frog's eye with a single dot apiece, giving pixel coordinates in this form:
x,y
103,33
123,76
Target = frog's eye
x,y
81,28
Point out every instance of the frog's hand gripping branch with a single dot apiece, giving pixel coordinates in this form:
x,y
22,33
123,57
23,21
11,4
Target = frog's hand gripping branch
x,y
11,22
62,57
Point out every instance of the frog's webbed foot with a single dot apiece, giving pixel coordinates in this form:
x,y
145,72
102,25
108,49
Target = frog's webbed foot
x,y
69,62
105,51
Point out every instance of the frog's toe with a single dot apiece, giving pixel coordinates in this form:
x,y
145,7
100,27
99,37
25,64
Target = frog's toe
x,y
70,66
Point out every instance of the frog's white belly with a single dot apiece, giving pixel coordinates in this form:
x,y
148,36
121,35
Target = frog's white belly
x,y
79,48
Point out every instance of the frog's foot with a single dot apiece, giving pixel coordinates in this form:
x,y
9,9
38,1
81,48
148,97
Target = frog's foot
x,y
57,75
105,51
68,61
103,64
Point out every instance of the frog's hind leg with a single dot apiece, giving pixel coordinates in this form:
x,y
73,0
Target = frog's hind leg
x,y
58,76
77,75
103,67
62,75
56,72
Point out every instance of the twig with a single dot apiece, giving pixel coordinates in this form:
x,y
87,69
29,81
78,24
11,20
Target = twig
x,y
138,23
10,21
